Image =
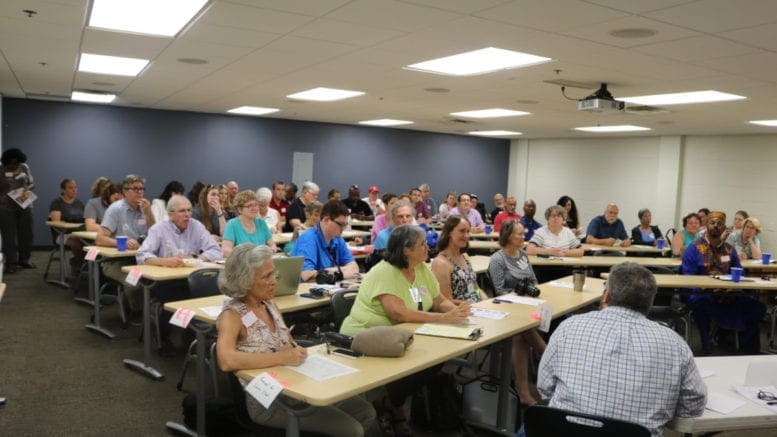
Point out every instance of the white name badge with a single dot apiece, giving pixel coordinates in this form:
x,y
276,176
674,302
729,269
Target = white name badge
x,y
725,258
546,315
249,319
264,388
133,277
182,317
91,255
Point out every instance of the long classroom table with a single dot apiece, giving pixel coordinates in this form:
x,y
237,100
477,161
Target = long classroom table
x,y
103,254
61,228
428,351
600,261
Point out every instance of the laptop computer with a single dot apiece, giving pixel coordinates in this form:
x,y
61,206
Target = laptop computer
x,y
289,269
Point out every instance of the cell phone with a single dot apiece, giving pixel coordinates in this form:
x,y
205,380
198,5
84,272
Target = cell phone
x,y
347,353
312,296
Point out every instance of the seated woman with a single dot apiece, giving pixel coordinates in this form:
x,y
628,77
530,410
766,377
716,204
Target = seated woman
x,y
312,217
98,186
508,268
68,208
210,213
746,242
645,233
572,219
690,232
229,209
739,221
159,205
381,221
247,227
269,215
458,281
450,203
249,278
386,297
555,238
95,207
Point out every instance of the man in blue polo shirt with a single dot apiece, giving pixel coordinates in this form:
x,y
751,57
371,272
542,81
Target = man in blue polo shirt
x,y
608,229
324,248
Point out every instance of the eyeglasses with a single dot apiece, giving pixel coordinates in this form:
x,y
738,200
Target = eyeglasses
x,y
342,225
183,211
273,275
766,396
137,189
251,205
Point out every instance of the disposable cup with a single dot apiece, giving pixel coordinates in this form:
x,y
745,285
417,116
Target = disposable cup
x,y
736,274
121,243
766,258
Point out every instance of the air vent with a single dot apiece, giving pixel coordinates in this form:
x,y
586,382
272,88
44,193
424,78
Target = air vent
x,y
43,96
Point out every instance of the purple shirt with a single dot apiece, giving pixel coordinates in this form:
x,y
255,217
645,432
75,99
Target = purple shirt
x,y
475,220
165,240
422,210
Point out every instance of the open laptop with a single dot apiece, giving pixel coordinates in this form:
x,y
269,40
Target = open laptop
x,y
289,269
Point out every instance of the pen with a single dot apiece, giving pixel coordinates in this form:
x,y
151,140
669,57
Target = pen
x,y
771,403
328,352
501,301
291,338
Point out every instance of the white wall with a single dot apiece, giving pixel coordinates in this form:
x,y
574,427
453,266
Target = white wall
x,y
669,175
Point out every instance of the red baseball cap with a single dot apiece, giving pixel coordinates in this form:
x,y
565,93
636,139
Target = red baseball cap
x,y
373,189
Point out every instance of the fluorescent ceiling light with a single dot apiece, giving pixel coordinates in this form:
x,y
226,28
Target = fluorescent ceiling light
x,y
683,98
114,65
153,17
764,122
495,133
252,110
478,62
490,113
620,128
322,94
81,96
385,122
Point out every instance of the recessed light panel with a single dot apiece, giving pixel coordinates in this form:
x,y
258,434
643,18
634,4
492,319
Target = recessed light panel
x,y
771,123
495,133
252,110
385,122
478,62
114,65
489,113
152,17
683,98
322,94
620,128
80,96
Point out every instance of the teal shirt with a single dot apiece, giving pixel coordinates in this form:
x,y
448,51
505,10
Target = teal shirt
x,y
235,232
384,278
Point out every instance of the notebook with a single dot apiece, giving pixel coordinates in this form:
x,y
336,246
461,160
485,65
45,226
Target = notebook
x,y
289,270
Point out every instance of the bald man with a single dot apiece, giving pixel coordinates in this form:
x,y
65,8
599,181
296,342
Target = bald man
x,y
608,229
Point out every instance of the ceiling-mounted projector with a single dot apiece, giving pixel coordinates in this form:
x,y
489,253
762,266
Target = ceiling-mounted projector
x,y
601,101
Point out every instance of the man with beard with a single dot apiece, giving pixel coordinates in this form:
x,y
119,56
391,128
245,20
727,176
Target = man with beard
x,y
510,206
711,255
608,229
529,224
359,209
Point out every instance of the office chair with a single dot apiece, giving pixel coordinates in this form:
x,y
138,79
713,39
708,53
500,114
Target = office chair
x,y
668,309
540,421
341,304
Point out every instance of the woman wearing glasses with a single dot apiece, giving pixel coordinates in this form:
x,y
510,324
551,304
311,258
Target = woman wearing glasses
x,y
253,335
210,213
247,227
399,289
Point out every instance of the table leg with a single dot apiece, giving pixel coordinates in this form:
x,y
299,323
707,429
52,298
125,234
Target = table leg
x,y
61,282
506,370
201,331
144,367
94,294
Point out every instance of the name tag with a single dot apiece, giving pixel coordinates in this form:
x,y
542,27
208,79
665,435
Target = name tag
x,y
725,258
133,277
546,315
91,255
249,319
264,388
182,317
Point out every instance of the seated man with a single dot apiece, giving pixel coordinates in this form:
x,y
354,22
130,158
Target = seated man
x,y
465,210
423,214
529,224
711,255
608,229
130,217
374,201
506,212
618,364
401,214
359,209
499,206
324,248
295,215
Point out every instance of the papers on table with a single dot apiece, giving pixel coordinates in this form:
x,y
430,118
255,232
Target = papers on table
x,y
704,373
321,368
751,394
213,311
523,299
451,331
728,278
722,403
488,314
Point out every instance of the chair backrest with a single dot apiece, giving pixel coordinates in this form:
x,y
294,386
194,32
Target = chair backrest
x,y
546,421
341,302
204,282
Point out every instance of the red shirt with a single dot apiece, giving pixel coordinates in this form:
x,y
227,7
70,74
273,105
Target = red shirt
x,y
281,206
502,216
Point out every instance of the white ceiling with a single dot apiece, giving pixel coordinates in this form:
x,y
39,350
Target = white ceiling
x,y
258,51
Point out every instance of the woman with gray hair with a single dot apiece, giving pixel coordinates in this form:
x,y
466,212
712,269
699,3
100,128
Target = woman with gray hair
x,y
401,288
269,215
554,238
645,233
746,241
253,335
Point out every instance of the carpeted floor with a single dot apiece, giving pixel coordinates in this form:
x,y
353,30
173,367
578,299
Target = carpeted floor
x,y
61,379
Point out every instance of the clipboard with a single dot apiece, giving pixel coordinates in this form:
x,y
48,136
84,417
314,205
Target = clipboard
x,y
450,331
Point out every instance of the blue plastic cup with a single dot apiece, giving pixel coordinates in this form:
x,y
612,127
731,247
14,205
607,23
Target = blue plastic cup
x,y
736,274
660,243
121,243
488,229
766,258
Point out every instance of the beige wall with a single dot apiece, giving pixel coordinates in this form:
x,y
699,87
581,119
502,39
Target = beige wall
x,y
669,175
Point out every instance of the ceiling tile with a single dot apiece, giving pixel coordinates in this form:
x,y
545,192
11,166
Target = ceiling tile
x,y
764,37
345,32
459,6
130,45
600,32
553,16
697,49
247,17
315,8
226,35
717,15
637,6
391,15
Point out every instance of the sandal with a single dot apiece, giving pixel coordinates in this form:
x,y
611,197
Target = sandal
x,y
383,417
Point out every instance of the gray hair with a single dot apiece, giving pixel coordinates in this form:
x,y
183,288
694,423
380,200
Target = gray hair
x,y
309,186
263,194
399,204
401,237
131,179
237,278
642,212
175,200
423,187
314,206
558,209
632,286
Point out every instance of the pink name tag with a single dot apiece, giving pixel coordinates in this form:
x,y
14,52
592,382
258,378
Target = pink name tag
x,y
91,255
182,317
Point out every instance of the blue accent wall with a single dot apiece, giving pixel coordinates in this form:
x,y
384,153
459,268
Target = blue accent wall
x,y
83,141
